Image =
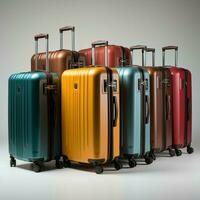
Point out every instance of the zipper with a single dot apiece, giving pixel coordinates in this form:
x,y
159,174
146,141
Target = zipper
x,y
163,88
141,85
110,114
186,109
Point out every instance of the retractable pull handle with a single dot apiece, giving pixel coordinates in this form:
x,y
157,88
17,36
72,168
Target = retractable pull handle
x,y
64,29
152,50
139,47
37,37
100,43
164,49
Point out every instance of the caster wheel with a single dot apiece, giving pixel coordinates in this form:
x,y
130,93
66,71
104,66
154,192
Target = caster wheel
x,y
99,169
152,154
178,152
66,163
132,163
190,150
36,167
148,160
59,164
172,153
118,165
12,162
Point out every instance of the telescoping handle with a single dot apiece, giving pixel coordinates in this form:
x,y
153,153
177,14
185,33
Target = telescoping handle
x,y
152,50
139,47
37,37
170,48
67,28
100,43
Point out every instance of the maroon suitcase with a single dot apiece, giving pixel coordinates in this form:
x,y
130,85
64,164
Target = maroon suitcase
x,y
117,56
181,104
62,59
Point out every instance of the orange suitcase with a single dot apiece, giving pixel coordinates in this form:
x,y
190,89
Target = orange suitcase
x,y
90,115
59,60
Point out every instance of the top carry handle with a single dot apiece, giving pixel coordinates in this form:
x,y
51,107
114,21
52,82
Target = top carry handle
x,y
153,55
67,28
100,43
170,48
37,37
139,47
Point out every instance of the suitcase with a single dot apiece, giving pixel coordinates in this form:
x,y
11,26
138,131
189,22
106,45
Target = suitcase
x,y
117,56
34,116
135,114
90,115
160,109
62,59
181,104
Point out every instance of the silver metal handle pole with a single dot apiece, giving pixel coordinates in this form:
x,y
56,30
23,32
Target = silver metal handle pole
x,y
140,47
37,37
170,48
153,55
100,43
67,28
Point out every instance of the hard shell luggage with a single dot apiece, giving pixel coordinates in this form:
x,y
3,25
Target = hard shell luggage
x,y
62,59
34,116
117,56
135,113
181,104
90,115
160,109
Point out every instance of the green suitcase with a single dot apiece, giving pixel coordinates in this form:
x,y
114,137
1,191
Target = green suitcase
x,y
34,116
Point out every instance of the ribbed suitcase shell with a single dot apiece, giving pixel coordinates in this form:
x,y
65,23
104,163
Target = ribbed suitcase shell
x,y
85,115
161,111
29,138
115,55
59,61
182,106
133,140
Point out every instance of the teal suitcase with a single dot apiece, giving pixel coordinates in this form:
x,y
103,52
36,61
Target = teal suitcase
x,y
135,114
34,116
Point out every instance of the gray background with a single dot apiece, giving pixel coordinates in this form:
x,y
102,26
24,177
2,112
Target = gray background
x,y
155,23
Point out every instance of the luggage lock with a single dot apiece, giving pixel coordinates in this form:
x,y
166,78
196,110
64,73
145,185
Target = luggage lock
x,y
52,88
166,82
144,83
113,85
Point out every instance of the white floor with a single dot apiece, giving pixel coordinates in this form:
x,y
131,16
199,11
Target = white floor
x,y
166,178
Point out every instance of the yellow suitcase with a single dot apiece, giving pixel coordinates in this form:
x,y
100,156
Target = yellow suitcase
x,y
90,115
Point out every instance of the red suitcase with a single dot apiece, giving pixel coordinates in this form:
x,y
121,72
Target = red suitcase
x,y
181,104
117,56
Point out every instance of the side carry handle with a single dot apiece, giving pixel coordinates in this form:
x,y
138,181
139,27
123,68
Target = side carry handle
x,y
67,28
100,43
152,50
37,37
115,111
139,47
189,109
164,49
147,100
168,109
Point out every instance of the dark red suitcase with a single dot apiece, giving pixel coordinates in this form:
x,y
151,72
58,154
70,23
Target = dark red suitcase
x,y
117,56
181,104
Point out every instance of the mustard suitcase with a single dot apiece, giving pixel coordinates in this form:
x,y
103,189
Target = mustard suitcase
x,y
90,115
